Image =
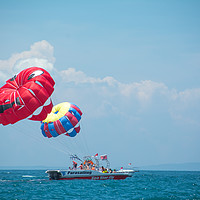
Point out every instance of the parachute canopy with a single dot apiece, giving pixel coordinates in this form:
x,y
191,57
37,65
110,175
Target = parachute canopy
x,y
23,94
64,118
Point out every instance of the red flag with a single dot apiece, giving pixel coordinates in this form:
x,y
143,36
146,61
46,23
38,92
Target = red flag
x,y
96,155
103,157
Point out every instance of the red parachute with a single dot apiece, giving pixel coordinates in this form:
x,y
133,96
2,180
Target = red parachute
x,y
23,94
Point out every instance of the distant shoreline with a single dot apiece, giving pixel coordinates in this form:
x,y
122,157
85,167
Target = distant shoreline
x,y
173,167
161,167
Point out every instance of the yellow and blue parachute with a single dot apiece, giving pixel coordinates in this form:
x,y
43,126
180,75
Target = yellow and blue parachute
x,y
63,119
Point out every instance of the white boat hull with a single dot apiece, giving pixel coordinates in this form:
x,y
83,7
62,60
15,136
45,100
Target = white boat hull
x,y
86,174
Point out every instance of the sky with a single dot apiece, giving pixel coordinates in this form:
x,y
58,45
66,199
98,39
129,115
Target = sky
x,y
132,67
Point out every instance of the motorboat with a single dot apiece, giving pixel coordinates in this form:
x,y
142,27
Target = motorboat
x,y
90,170
87,174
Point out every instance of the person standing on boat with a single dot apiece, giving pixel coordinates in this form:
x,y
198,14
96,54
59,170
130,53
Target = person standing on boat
x,y
103,169
74,165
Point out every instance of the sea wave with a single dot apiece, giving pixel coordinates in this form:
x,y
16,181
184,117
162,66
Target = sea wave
x,y
28,176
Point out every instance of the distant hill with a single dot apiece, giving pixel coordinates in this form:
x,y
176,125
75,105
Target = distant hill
x,y
173,167
163,167
29,168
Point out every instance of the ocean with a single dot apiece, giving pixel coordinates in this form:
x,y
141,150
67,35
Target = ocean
x,y
34,184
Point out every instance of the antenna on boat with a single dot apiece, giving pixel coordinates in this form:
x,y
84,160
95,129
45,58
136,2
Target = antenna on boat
x,y
75,157
107,164
97,162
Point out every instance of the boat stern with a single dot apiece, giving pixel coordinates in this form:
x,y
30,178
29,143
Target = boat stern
x,y
54,174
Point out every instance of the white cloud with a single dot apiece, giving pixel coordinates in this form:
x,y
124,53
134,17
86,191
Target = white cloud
x,y
147,93
71,75
143,90
40,54
30,62
185,106
191,95
144,94
2,76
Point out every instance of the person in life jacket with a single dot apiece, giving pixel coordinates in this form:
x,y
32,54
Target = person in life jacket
x,y
88,164
80,166
104,170
94,167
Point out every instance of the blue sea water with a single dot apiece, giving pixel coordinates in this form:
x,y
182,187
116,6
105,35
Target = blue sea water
x,y
34,184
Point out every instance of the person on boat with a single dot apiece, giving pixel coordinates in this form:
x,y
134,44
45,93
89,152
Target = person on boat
x,y
85,162
74,165
88,167
90,164
105,171
81,166
93,167
110,170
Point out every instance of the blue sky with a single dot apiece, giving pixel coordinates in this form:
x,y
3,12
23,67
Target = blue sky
x,y
131,66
